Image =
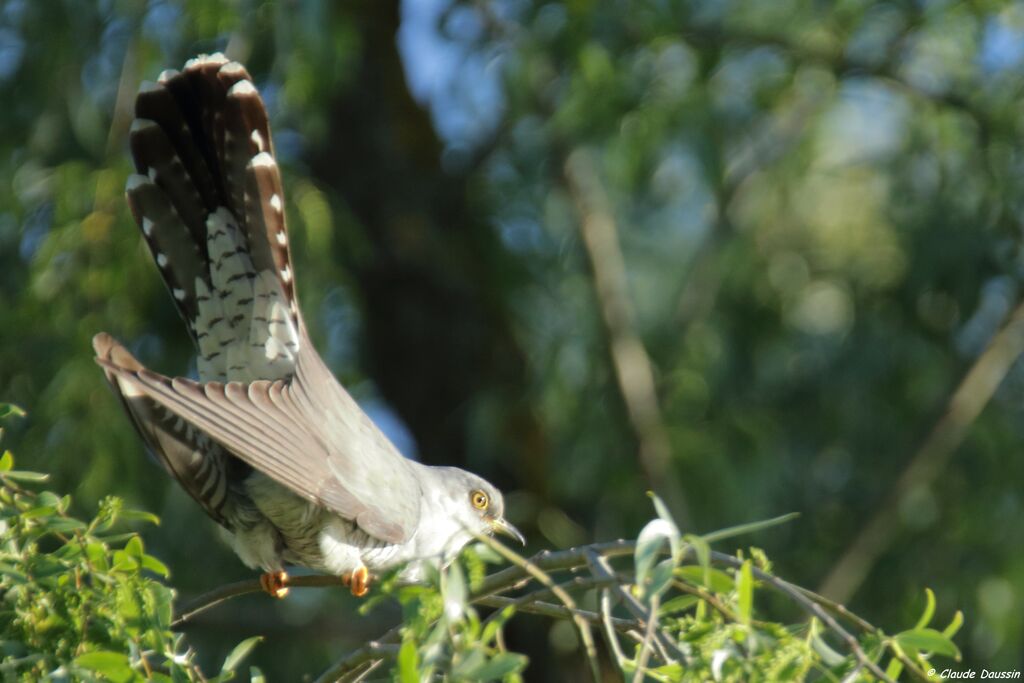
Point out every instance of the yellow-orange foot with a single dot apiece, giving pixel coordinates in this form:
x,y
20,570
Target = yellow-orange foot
x,y
275,583
358,581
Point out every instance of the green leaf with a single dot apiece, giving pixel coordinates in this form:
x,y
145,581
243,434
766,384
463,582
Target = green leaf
x,y
660,579
454,592
163,605
668,672
680,603
954,625
154,565
714,580
41,511
240,652
139,516
495,624
499,666
894,669
829,656
6,461
64,525
24,475
124,562
649,543
134,548
467,668
12,572
929,640
929,609
10,410
745,593
408,663
97,554
664,514
113,665
749,528
700,548
114,539
487,553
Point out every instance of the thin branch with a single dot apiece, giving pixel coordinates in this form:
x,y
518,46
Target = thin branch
x,y
530,602
645,646
596,557
812,608
361,675
965,405
221,594
632,365
864,625
547,609
599,565
553,561
351,667
582,625
609,632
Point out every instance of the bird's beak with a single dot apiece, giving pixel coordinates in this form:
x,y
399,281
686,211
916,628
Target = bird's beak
x,y
500,526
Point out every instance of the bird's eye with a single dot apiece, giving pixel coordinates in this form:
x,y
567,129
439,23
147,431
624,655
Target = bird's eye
x,y
480,500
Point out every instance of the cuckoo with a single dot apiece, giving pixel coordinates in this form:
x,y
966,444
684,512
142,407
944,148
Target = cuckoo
x,y
267,441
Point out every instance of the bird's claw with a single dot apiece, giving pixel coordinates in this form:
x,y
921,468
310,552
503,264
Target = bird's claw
x,y
275,584
358,581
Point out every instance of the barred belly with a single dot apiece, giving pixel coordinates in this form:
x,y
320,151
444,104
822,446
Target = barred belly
x,y
311,536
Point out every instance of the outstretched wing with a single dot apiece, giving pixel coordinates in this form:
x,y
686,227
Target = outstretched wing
x,y
306,433
199,464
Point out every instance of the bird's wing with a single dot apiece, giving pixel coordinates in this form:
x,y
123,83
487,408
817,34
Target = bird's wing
x,y
199,464
306,433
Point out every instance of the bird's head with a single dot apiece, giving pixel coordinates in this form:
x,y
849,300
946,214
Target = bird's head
x,y
476,505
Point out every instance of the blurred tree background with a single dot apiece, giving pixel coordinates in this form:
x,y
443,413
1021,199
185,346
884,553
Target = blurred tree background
x,y
741,252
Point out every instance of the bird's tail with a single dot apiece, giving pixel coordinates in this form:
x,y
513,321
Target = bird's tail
x,y
207,196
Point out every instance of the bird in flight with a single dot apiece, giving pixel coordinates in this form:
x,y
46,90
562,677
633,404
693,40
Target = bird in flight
x,y
267,441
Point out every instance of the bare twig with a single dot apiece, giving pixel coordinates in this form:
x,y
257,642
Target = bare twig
x,y
220,594
532,603
553,561
582,625
548,609
599,565
358,662
645,646
965,405
609,631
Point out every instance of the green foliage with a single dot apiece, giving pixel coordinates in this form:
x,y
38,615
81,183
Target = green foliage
x,y
82,600
443,633
688,613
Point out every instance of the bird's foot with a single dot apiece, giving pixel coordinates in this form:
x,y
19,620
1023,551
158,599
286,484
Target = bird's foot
x,y
358,580
275,584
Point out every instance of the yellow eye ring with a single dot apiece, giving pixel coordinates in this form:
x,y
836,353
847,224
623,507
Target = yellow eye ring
x,y
480,500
